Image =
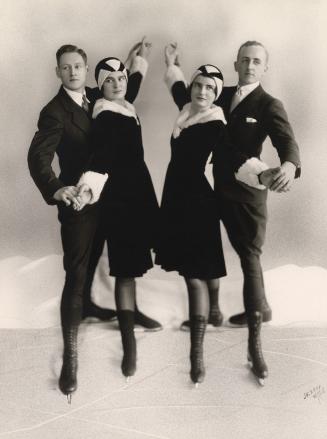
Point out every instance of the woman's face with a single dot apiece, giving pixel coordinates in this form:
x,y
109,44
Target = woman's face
x,y
114,87
203,93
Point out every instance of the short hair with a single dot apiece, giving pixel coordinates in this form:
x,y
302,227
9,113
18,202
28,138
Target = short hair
x,y
68,48
253,43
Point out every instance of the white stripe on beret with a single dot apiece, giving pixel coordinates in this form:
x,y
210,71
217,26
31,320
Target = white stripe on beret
x,y
105,67
212,72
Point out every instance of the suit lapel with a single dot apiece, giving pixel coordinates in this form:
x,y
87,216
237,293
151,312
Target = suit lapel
x,y
79,116
226,97
249,100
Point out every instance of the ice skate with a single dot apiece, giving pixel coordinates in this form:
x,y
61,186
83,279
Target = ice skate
x,y
255,355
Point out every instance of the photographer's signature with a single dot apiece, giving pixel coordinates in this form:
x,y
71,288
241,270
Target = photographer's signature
x,y
315,393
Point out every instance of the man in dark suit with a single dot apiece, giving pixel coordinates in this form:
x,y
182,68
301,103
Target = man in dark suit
x,y
63,129
252,115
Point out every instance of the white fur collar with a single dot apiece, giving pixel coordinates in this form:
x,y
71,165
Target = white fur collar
x,y
103,105
184,120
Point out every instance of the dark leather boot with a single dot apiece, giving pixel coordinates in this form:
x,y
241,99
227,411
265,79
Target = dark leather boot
x,y
90,309
198,327
255,355
126,325
146,322
240,320
216,318
68,375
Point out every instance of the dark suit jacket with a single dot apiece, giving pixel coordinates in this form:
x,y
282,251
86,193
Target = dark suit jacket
x,y
259,115
64,129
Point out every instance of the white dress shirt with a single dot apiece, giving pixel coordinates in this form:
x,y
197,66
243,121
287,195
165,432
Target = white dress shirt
x,y
76,96
241,92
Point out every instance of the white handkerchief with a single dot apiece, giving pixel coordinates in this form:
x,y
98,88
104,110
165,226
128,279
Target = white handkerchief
x,y
251,120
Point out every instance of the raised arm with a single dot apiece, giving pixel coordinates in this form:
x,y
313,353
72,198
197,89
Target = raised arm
x,y
137,65
174,77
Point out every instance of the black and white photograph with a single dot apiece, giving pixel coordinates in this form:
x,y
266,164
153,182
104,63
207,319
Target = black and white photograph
x,y
163,257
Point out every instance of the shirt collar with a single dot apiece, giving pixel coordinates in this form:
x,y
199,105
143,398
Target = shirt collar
x,y
76,96
246,89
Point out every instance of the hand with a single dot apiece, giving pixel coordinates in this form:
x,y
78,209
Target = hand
x,y
283,180
267,177
144,48
171,55
67,194
132,54
84,196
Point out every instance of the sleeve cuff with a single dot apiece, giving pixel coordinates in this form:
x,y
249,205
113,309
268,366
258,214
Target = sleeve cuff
x,y
297,166
95,181
140,65
249,172
174,74
55,185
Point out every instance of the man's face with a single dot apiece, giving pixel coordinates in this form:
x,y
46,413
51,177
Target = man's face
x,y
251,64
72,71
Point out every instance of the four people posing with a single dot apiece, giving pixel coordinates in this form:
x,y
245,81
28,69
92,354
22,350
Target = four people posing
x,y
185,232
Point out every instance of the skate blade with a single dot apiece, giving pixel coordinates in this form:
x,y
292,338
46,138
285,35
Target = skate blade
x,y
184,328
233,325
153,329
209,328
93,319
139,328
261,381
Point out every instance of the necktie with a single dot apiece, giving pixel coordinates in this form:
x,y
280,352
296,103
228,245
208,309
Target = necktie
x,y
85,104
236,98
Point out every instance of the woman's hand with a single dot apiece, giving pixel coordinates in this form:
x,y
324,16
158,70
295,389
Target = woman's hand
x,y
171,55
142,48
267,177
132,54
145,48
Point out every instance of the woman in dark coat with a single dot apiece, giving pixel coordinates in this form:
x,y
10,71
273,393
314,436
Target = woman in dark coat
x,y
189,216
190,240
129,207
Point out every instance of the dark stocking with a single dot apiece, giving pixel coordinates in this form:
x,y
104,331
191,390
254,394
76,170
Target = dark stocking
x,y
125,303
